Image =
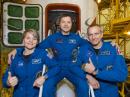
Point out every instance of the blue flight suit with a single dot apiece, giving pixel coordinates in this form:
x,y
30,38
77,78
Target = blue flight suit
x,y
27,69
64,48
111,68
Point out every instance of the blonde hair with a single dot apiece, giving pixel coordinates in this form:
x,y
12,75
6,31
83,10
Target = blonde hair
x,y
34,32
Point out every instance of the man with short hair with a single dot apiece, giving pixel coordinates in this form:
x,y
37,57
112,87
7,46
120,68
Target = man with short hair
x,y
103,61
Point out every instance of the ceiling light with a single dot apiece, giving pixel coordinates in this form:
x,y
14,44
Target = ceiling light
x,y
24,0
98,1
128,32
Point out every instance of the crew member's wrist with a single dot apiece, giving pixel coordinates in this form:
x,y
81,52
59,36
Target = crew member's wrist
x,y
46,76
95,72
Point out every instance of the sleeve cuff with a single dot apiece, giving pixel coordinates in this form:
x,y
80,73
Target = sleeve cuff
x,y
45,76
95,72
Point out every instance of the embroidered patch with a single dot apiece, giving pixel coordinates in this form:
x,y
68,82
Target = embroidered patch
x,y
59,40
105,53
20,63
109,67
72,41
36,61
90,53
74,55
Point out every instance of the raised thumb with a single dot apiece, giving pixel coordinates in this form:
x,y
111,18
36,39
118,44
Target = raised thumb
x,y
9,74
90,61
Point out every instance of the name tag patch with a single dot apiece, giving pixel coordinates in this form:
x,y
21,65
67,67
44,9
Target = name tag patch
x,y
36,61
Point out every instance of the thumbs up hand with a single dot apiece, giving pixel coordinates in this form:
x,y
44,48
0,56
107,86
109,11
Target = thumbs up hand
x,y
89,67
12,80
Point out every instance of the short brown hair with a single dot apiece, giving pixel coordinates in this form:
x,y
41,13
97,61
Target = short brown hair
x,y
63,15
97,25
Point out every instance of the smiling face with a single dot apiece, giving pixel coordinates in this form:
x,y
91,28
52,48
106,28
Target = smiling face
x,y
65,24
30,40
95,36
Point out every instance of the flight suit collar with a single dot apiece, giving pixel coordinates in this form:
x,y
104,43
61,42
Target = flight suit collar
x,y
92,49
60,33
20,53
